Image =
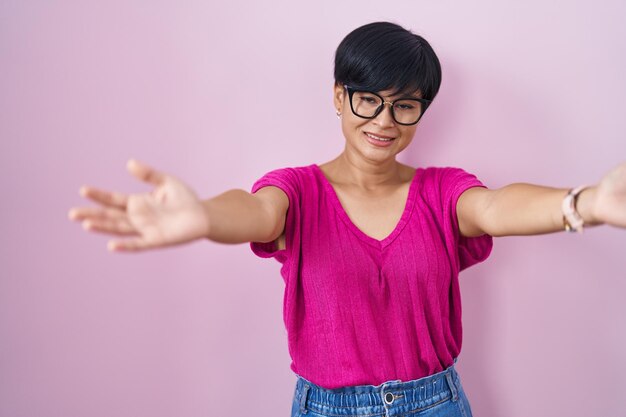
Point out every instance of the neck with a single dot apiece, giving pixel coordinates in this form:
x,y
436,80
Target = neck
x,y
365,174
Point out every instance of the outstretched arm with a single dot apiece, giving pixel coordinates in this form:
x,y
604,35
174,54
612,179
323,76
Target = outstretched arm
x,y
172,213
527,209
238,216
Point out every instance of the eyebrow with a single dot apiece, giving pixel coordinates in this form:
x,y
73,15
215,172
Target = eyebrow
x,y
410,96
398,96
401,96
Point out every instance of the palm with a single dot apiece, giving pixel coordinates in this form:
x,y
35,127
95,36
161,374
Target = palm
x,y
165,216
170,214
610,204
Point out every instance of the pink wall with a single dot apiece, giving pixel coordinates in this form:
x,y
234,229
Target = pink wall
x,y
532,92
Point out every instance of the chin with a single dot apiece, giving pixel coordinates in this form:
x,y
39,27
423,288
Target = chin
x,y
378,155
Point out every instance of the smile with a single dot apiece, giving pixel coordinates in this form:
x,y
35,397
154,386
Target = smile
x,y
379,138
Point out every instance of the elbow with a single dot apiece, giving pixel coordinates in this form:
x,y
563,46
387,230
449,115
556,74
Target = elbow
x,y
272,226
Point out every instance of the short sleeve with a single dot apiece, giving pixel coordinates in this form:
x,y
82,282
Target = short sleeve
x,y
470,250
287,180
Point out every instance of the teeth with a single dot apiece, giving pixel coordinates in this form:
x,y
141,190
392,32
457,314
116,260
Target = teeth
x,y
377,138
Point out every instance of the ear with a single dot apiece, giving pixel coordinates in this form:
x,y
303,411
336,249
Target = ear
x,y
338,96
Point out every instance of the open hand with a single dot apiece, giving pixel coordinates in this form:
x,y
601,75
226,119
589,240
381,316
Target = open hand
x,y
171,214
610,201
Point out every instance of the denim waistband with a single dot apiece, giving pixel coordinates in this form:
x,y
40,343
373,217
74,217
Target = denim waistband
x,y
389,398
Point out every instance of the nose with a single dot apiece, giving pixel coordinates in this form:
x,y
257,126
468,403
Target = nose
x,y
385,117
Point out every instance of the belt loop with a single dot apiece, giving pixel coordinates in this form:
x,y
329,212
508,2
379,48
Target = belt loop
x,y
451,385
303,399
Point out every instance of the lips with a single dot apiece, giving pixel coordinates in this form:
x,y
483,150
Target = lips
x,y
378,141
379,136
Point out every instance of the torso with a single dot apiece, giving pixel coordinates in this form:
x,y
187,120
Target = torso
x,y
375,213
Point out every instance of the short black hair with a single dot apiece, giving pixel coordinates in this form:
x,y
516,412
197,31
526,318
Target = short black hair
x,y
384,56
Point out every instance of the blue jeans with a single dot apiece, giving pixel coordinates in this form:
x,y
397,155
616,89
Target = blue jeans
x,y
437,395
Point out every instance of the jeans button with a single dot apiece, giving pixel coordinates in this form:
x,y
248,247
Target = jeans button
x,y
389,398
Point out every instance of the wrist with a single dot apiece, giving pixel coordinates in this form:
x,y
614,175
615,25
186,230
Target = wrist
x,y
206,224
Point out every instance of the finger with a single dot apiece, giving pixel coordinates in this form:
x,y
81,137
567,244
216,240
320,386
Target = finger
x,y
129,245
109,198
116,227
82,213
145,172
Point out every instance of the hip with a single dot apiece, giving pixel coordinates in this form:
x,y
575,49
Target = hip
x,y
437,395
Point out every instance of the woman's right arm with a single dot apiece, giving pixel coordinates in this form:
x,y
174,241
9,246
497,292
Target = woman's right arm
x,y
238,216
172,213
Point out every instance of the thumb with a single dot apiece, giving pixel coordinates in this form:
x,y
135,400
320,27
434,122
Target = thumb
x,y
145,172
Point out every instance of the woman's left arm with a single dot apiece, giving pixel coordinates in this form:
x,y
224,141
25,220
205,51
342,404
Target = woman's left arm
x,y
528,209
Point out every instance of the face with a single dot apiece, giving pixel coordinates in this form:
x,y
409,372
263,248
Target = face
x,y
376,140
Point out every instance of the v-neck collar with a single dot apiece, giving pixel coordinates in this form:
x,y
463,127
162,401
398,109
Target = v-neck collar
x,y
341,212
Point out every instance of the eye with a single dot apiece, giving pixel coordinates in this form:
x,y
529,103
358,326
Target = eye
x,y
403,106
369,99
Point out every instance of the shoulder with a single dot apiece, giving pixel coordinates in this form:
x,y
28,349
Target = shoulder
x,y
434,171
447,183
292,170
447,176
290,178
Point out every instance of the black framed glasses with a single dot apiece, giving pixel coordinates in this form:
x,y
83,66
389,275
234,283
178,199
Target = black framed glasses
x,y
405,110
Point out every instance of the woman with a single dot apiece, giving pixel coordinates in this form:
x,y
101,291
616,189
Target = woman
x,y
370,248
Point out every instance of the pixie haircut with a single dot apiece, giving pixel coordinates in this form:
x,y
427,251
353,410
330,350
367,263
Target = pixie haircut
x,y
385,56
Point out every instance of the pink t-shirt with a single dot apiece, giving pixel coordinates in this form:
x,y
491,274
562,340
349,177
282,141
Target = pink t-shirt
x,y
364,311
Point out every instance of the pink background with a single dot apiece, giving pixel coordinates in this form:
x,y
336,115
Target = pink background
x,y
532,92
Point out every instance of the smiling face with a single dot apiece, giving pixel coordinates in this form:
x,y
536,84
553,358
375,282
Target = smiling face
x,y
376,140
